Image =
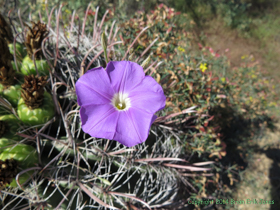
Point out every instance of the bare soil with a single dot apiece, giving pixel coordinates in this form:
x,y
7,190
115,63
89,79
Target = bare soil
x,y
221,38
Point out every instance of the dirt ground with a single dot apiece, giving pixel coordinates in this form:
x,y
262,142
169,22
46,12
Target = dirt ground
x,y
261,179
221,38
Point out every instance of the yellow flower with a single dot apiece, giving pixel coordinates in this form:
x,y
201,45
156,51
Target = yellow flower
x,y
181,49
244,56
223,79
67,34
272,104
44,4
203,67
68,11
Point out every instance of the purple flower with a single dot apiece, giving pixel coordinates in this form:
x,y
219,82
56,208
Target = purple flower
x,y
119,103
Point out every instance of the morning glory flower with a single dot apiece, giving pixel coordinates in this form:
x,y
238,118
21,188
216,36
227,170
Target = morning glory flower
x,y
119,103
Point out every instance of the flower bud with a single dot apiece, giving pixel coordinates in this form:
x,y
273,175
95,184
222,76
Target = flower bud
x,y
104,41
104,44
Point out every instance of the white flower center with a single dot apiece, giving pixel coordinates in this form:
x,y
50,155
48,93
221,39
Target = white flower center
x,y
121,102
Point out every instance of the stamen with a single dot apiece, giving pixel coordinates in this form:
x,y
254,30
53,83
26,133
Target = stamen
x,y
121,102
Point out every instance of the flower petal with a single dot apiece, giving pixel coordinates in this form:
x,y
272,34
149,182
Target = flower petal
x,y
148,96
99,120
124,75
133,127
94,87
95,91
